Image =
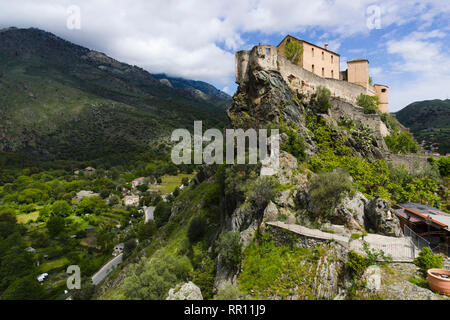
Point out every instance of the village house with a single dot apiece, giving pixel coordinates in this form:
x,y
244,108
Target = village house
x,y
427,225
130,201
137,182
326,64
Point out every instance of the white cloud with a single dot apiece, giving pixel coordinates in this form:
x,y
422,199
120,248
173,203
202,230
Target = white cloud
x,y
197,39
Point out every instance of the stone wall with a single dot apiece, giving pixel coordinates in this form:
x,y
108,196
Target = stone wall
x,y
265,57
412,163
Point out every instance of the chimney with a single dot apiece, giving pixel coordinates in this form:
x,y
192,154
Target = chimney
x,y
326,46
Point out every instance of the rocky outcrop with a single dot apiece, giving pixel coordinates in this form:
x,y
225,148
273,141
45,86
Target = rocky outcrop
x,y
350,211
380,218
185,291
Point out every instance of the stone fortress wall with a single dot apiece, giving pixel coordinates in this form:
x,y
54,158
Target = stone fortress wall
x,y
299,79
345,94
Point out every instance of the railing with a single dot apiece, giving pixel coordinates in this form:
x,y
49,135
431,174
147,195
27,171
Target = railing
x,y
418,241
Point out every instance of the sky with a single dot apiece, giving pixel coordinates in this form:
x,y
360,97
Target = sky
x,y
406,41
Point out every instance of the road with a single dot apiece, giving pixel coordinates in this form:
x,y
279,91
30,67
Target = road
x,y
149,214
106,269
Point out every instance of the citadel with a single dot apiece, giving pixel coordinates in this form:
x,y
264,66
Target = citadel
x,y
315,67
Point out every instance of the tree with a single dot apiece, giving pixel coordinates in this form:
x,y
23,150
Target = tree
x,y
8,222
24,289
321,101
55,226
229,249
152,281
401,143
146,230
162,213
197,229
129,246
61,208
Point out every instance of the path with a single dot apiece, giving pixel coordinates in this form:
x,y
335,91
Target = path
x,y
149,214
400,249
106,269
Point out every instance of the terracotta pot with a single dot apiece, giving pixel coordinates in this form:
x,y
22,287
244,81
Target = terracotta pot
x,y
438,283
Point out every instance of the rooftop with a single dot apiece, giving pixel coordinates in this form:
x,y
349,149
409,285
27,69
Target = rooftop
x,y
312,44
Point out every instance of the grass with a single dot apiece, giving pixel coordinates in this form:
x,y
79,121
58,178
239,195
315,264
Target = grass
x,y
54,264
272,271
27,217
170,183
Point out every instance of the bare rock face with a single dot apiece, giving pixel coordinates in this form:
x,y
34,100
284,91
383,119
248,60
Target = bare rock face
x,y
350,211
185,291
380,217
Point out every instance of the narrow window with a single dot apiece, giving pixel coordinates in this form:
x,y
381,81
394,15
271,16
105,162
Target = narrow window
x,y
332,73
312,52
323,55
323,72
312,68
383,90
332,58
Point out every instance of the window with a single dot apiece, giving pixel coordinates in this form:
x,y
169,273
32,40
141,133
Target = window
x,y
383,90
312,68
332,58
323,72
323,55
312,52
332,73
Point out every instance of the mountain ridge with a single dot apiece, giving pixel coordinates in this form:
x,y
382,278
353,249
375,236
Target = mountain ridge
x,y
59,100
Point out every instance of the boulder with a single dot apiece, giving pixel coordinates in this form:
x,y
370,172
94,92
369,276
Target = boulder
x,y
350,211
380,217
372,276
185,291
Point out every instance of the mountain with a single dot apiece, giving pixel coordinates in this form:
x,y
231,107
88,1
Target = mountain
x,y
429,121
59,100
192,85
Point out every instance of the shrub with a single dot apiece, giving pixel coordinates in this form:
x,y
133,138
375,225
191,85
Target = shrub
x,y
152,281
293,51
162,213
401,143
229,248
390,121
295,144
427,260
321,101
197,229
368,103
444,166
230,292
146,230
356,264
326,189
260,191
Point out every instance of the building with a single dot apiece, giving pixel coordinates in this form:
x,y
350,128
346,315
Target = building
x,y
131,200
428,223
326,64
118,249
137,182
320,61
